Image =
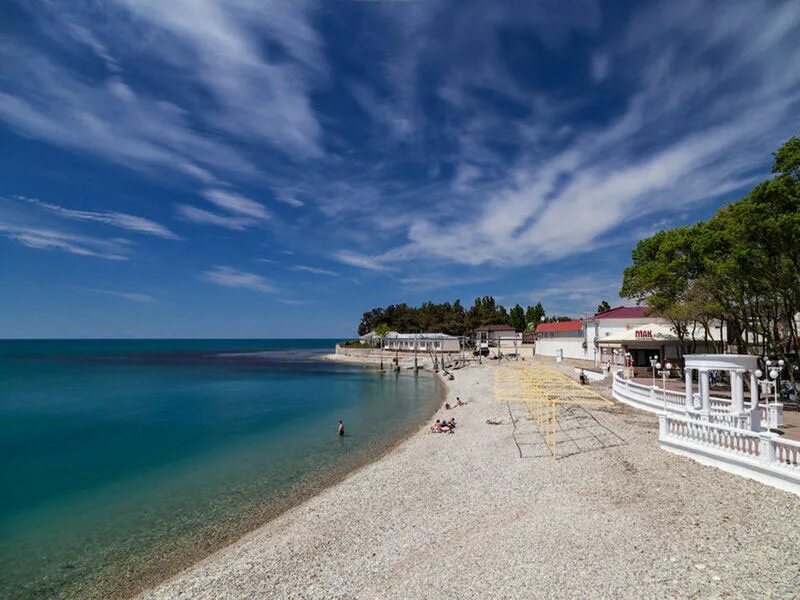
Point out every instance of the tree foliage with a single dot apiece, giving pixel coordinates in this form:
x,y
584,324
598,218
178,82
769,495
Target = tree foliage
x,y
604,306
741,267
449,318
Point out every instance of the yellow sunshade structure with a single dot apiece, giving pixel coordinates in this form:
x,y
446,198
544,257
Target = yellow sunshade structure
x,y
543,390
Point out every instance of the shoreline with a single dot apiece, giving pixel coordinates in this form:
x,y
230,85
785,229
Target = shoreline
x,y
628,520
313,484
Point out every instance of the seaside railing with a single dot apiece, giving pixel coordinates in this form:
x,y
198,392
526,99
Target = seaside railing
x,y
656,399
762,456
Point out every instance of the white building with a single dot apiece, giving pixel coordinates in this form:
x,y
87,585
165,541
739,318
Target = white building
x,y
565,339
624,336
423,342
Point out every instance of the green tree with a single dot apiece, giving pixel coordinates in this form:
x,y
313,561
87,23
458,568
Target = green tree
x,y
516,318
533,316
787,158
604,306
741,267
663,267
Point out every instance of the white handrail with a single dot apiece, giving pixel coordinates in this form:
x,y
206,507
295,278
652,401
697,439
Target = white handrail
x,y
758,455
640,396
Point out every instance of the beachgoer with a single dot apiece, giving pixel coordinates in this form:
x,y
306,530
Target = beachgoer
x,y
583,377
459,402
341,427
447,406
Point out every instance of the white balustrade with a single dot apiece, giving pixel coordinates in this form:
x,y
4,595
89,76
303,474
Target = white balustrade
x,y
720,437
651,399
762,456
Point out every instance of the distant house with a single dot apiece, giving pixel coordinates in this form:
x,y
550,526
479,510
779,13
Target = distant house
x,y
494,335
423,342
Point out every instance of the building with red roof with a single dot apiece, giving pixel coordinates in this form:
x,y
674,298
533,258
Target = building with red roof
x,y
627,336
559,326
625,312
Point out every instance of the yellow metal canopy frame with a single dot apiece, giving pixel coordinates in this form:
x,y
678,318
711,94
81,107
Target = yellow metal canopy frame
x,y
543,390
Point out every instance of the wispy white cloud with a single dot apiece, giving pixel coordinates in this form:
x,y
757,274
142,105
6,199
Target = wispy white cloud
x,y
372,263
205,217
112,218
289,199
42,238
600,67
292,302
132,296
224,82
573,294
314,270
236,203
682,137
229,277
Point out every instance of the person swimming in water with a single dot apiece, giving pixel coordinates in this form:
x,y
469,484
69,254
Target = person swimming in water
x,y
341,427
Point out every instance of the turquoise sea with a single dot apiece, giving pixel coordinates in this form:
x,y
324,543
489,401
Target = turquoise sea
x,y
124,461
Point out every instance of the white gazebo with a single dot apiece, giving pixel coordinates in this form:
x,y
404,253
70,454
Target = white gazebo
x,y
738,367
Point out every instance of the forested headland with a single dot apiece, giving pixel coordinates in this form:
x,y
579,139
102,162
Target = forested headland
x,y
453,318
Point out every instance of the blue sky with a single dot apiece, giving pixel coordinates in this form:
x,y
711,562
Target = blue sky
x,y
252,168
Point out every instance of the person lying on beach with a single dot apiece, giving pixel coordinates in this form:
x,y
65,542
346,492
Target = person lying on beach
x,y
451,423
441,427
459,402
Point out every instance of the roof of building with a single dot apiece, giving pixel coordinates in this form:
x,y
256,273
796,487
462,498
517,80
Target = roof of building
x,y
420,336
559,326
497,327
624,312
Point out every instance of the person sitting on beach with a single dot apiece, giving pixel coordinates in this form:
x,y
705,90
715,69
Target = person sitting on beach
x,y
341,427
445,427
447,406
451,423
437,427
459,402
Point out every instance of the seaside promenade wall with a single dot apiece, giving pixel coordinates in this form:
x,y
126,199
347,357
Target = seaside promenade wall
x,y
716,439
373,356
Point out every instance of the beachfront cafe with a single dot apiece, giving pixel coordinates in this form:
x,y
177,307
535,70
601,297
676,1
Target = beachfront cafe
x,y
633,348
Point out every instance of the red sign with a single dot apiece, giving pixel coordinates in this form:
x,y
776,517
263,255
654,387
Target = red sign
x,y
644,333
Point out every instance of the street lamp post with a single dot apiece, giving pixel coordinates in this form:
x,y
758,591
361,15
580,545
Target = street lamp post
x,y
774,369
653,363
664,372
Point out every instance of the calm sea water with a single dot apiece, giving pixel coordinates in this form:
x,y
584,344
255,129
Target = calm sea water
x,y
122,461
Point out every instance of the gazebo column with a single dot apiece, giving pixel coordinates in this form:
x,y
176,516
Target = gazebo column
x,y
704,391
755,409
737,391
753,390
687,375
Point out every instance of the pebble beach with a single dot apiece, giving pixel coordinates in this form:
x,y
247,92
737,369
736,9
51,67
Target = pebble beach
x,y
484,513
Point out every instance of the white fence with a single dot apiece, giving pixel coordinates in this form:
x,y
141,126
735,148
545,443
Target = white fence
x,y
722,440
761,456
655,399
